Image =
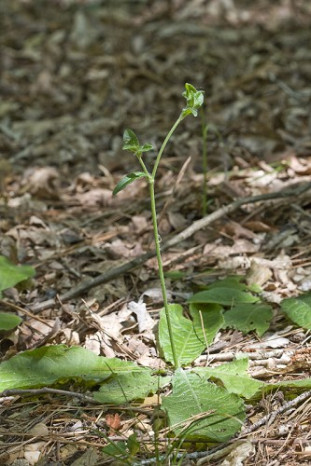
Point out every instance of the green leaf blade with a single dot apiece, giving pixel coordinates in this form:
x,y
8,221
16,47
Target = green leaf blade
x,y
189,337
130,141
234,376
48,365
194,98
298,310
126,180
224,296
224,411
247,317
11,274
9,321
122,388
233,281
146,147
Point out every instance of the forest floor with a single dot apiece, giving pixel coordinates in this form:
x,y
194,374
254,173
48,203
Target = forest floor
x,y
74,75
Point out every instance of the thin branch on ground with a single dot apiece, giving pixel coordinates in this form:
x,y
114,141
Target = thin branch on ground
x,y
45,390
270,418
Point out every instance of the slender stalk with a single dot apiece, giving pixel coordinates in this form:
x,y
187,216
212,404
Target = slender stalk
x,y
143,166
151,180
204,161
160,267
169,134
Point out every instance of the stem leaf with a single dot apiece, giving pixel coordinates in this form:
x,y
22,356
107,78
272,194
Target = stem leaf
x,y
127,179
130,141
194,100
145,147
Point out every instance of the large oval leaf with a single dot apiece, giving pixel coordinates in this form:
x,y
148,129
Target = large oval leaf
x,y
9,321
11,274
50,364
224,296
234,376
189,336
298,310
200,410
249,316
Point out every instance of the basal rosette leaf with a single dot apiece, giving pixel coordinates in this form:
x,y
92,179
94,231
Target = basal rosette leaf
x,y
298,310
199,410
51,364
11,274
8,321
234,377
190,336
247,317
226,296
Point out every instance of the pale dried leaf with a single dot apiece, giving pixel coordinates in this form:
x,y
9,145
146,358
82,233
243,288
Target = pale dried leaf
x,y
145,321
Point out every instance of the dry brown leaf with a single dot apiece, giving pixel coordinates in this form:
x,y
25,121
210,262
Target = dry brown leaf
x,y
42,182
238,231
145,321
94,197
240,246
258,274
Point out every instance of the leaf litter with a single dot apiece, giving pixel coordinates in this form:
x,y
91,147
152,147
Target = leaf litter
x,y
73,78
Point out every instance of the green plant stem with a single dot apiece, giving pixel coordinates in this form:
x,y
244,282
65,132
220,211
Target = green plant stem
x,y
169,134
204,162
151,180
161,273
143,166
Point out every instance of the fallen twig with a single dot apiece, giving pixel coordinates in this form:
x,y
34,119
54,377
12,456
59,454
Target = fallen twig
x,y
269,418
187,233
42,391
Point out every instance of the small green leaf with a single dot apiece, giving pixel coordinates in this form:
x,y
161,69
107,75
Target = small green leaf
x,y
194,100
130,141
11,274
123,450
224,296
133,445
127,179
145,148
247,317
9,321
192,396
234,376
298,310
117,450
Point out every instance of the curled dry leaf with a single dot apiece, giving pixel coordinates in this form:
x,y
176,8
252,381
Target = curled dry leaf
x,y
258,274
42,182
145,321
94,197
